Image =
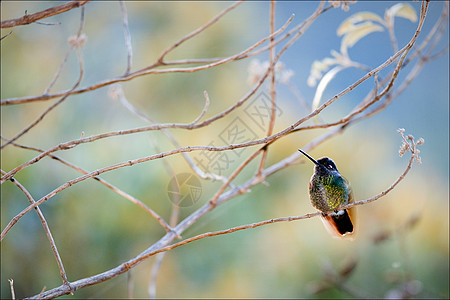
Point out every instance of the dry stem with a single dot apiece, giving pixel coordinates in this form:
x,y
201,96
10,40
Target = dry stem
x,y
28,19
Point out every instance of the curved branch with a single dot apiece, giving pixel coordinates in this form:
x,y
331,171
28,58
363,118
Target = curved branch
x,y
47,232
198,30
156,248
318,11
150,70
192,125
265,140
53,106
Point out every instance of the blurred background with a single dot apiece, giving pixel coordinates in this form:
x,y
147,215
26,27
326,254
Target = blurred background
x,y
402,243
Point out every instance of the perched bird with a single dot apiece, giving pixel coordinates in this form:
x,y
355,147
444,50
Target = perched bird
x,y
328,191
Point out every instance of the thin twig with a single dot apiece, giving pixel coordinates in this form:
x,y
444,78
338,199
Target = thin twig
x,y
127,35
80,77
133,262
414,156
105,183
47,231
236,172
27,19
212,119
272,87
130,285
442,25
299,28
392,95
402,53
11,285
220,196
439,25
130,163
113,167
153,127
154,275
145,71
119,93
265,140
288,219
197,31
59,70
5,35
47,23
338,278
43,290
161,245
205,108
65,60
272,74
390,27
173,222
160,257
175,208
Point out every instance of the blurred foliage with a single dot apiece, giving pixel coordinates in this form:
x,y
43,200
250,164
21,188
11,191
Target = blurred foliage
x,y
95,229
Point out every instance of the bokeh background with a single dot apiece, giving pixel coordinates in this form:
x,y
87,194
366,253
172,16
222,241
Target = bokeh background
x,y
95,229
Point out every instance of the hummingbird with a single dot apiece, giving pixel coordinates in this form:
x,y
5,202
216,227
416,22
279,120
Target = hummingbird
x,y
328,191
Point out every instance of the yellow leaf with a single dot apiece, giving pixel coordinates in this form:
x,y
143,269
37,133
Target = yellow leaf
x,y
403,10
358,33
348,24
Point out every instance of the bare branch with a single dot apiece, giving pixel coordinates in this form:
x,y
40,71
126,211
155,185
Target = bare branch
x,y
197,31
59,70
222,197
205,108
154,274
41,117
213,201
11,284
272,85
272,73
105,183
381,95
156,248
153,127
414,156
27,19
117,91
5,35
48,23
439,25
402,53
289,129
130,285
127,34
47,232
145,71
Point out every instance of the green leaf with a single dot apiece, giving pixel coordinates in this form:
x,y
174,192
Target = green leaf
x,y
348,24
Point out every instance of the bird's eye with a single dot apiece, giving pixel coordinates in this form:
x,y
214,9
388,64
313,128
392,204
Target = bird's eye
x,y
330,167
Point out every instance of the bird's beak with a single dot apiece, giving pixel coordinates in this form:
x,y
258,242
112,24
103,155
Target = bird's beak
x,y
307,155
